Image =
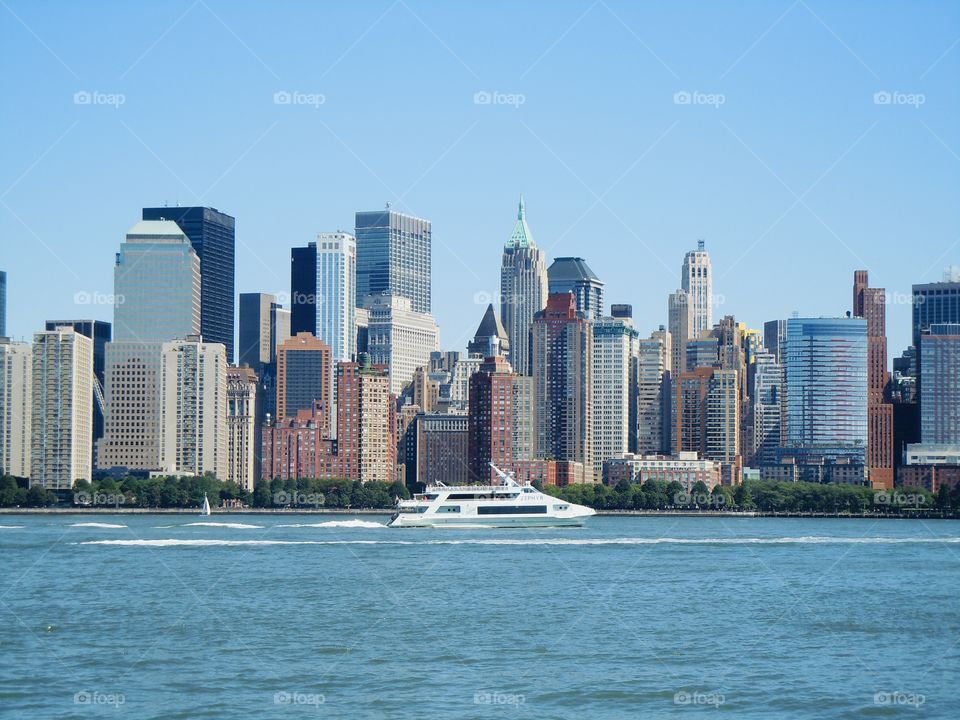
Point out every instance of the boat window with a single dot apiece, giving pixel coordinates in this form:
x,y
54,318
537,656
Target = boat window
x,y
449,509
561,507
462,496
512,510
529,490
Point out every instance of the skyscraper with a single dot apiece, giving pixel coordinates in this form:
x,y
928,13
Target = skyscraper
x,y
573,275
766,378
399,337
193,408
614,350
653,393
394,256
243,431
501,418
871,304
366,443
156,285
157,290
304,377
937,302
337,293
775,338
264,325
940,385
697,279
491,337
3,304
62,409
303,289
825,391
16,371
213,236
563,382
523,290
680,324
100,332
707,414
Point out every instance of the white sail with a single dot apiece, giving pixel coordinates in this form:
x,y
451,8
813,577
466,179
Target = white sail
x,y
206,505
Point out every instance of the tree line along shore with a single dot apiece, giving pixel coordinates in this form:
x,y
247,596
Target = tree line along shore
x,y
653,496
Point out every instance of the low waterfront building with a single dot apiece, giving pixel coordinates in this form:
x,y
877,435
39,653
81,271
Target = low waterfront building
x,y
686,468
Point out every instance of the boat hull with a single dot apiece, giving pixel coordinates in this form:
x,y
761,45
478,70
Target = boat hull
x,y
412,520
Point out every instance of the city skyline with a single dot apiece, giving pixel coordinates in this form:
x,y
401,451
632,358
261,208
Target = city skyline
x,y
644,183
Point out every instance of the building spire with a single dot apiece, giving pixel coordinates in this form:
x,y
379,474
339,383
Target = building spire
x,y
521,237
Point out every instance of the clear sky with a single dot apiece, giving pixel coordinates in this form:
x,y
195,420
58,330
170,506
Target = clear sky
x,y
782,160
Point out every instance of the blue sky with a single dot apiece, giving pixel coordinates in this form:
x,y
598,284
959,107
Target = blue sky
x,y
783,161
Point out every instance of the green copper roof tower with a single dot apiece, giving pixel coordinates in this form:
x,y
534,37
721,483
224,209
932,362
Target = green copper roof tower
x,y
523,290
521,237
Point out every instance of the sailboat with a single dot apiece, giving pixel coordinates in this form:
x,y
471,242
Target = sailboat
x,y
206,506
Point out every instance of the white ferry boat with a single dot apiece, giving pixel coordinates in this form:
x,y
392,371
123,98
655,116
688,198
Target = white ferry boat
x,y
508,504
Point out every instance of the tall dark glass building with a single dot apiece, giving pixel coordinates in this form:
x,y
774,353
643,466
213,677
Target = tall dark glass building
x,y
213,237
101,332
303,289
393,257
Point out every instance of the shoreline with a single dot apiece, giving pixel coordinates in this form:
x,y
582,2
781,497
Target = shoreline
x,y
388,511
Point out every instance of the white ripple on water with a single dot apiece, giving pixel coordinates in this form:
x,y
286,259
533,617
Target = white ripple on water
x,y
11,527
337,524
811,540
97,525
235,526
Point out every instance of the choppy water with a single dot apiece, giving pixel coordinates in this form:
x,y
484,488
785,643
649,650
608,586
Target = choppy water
x,y
291,616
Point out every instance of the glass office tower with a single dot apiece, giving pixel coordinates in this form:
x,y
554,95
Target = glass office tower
x,y
393,257
825,388
213,236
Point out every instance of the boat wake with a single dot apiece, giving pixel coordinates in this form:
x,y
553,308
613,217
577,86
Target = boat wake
x,y
97,525
235,526
11,527
336,524
813,540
